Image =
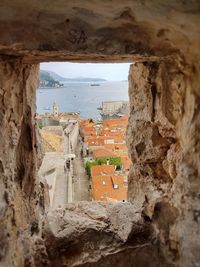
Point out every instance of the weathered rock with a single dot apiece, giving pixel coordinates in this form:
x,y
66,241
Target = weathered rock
x,y
99,234
164,177
99,31
21,195
163,38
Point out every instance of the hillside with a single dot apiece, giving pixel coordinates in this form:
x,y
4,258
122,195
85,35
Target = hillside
x,y
59,78
47,80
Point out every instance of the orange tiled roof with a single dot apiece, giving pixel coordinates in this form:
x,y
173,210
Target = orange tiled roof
x,y
122,153
126,162
119,138
116,147
102,153
86,123
97,140
87,131
123,121
94,141
102,169
109,187
90,138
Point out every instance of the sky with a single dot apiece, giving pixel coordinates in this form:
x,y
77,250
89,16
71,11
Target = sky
x,y
110,72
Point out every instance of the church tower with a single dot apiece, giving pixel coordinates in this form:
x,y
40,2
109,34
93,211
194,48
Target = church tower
x,y
55,109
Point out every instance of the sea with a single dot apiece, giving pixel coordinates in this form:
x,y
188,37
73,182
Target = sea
x,y
81,97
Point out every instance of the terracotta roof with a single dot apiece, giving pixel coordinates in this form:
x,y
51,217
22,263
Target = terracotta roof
x,y
123,121
109,187
126,162
91,138
87,131
115,138
119,138
102,153
102,170
116,147
86,123
97,140
94,141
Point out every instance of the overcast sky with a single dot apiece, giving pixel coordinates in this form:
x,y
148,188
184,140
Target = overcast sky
x,y
110,72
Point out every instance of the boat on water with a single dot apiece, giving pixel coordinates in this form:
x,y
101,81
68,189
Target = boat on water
x,y
46,108
94,84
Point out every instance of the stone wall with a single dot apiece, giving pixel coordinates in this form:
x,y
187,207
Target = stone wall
x,y
101,234
110,108
163,143
21,196
99,30
163,38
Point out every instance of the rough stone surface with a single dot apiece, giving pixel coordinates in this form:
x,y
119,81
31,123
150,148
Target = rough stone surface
x,y
99,30
163,38
163,142
21,197
98,234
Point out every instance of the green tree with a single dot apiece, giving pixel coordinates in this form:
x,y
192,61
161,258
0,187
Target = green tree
x,y
88,166
40,125
102,161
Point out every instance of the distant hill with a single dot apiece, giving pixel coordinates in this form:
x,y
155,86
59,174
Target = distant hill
x,y
45,76
56,76
59,78
86,79
46,80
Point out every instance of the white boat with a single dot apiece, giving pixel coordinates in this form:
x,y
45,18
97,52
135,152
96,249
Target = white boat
x,y
46,108
94,84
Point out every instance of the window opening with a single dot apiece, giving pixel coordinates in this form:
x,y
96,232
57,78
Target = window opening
x,y
82,115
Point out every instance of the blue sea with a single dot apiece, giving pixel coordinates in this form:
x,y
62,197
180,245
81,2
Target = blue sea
x,y
81,97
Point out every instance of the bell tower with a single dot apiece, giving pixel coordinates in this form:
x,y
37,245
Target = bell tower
x,y
55,109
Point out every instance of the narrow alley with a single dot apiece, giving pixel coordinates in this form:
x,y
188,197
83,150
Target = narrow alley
x,y
81,179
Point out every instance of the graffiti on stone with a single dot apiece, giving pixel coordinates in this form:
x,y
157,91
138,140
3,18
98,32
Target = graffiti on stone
x,y
77,36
